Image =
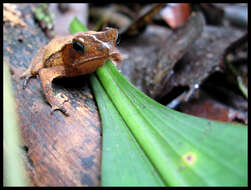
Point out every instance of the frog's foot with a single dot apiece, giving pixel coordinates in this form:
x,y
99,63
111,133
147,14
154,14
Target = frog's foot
x,y
58,103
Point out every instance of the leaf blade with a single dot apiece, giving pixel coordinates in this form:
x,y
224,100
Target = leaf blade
x,y
164,126
76,26
121,149
238,133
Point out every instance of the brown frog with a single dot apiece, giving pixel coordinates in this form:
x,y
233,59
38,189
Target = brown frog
x,y
69,56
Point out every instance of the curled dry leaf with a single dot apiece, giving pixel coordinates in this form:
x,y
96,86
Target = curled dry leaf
x,y
173,49
144,18
204,58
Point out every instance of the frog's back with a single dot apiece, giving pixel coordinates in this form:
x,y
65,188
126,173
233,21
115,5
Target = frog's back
x,y
53,51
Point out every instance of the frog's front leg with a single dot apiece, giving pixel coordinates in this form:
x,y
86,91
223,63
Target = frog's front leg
x,y
35,65
46,76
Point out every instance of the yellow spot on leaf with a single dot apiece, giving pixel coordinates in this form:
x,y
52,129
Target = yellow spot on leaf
x,y
189,158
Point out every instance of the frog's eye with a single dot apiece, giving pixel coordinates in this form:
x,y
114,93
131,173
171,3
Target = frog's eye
x,y
78,47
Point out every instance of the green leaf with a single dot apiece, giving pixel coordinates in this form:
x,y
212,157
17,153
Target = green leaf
x,y
145,143
184,149
123,161
14,167
76,26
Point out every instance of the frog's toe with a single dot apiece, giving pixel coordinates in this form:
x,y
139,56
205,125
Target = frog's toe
x,y
26,77
60,108
26,80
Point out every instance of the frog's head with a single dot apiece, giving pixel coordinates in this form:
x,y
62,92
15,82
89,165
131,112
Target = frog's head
x,y
92,46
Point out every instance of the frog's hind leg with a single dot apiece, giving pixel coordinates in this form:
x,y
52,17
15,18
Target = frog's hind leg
x,y
46,76
35,65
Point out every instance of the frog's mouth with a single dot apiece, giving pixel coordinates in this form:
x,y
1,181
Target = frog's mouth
x,y
87,60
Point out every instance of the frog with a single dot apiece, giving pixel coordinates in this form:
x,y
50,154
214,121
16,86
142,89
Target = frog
x,y
69,56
